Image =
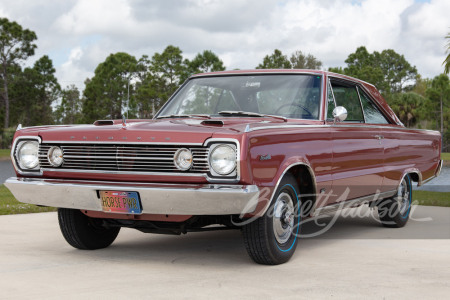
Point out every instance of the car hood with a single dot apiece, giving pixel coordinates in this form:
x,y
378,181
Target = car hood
x,y
191,130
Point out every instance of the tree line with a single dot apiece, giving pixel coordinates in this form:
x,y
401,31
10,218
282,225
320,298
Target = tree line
x,y
138,87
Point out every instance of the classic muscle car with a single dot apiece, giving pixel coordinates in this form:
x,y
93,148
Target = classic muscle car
x,y
257,150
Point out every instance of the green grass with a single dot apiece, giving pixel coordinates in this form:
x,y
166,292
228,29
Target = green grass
x,y
445,156
10,206
4,153
432,198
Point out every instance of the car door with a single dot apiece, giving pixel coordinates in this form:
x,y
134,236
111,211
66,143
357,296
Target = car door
x,y
357,164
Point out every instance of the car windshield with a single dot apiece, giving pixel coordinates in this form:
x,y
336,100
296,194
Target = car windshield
x,y
290,96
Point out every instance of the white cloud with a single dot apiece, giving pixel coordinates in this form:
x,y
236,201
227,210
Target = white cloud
x,y
99,16
71,72
432,21
79,35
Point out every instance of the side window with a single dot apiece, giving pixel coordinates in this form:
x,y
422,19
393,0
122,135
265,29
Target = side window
x,y
347,96
371,112
330,102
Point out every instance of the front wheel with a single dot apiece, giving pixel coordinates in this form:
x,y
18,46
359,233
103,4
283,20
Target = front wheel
x,y
272,238
83,232
394,211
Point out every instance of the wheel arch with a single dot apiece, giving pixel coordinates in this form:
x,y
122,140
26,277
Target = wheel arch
x,y
414,174
306,182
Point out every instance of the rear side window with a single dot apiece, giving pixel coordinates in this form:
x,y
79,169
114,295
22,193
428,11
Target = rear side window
x,y
371,112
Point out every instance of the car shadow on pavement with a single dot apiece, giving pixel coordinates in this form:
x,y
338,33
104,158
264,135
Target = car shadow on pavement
x,y
227,247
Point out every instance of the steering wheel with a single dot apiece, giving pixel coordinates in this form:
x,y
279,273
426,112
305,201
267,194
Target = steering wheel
x,y
295,104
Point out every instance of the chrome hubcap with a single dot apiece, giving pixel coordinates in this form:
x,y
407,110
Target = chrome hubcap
x,y
403,197
283,218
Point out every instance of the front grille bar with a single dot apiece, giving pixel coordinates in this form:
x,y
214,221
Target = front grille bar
x,y
129,158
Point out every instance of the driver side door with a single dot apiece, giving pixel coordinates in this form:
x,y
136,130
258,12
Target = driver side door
x,y
357,163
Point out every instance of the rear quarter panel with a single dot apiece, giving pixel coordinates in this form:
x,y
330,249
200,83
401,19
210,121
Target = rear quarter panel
x,y
409,151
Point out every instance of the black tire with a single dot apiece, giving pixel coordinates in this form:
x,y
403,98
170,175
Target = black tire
x,y
263,244
394,211
83,232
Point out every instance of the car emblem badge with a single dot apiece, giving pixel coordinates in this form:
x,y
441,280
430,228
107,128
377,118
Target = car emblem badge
x,y
265,157
124,122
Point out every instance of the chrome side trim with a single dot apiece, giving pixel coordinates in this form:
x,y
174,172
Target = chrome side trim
x,y
121,142
286,126
352,203
256,72
323,95
360,103
427,180
347,78
439,169
437,173
336,125
187,199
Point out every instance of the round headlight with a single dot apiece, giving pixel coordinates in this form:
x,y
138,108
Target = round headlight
x,y
183,159
55,156
223,159
27,155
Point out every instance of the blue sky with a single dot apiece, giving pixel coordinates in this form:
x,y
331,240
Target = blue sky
x,y
78,35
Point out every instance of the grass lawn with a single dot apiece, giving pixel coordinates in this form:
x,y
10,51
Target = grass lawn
x,y
432,198
10,206
4,153
445,156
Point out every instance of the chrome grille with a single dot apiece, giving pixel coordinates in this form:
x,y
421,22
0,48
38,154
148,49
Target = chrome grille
x,y
126,158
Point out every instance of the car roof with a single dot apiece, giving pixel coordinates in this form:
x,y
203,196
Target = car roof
x,y
280,72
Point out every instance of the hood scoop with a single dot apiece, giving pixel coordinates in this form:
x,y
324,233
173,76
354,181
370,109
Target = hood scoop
x,y
103,122
217,123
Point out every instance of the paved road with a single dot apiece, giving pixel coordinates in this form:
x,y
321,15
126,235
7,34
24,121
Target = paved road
x,y
357,260
6,170
438,184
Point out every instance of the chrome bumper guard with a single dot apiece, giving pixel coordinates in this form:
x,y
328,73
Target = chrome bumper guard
x,y
178,199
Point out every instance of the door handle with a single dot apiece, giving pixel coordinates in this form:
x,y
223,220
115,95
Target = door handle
x,y
378,137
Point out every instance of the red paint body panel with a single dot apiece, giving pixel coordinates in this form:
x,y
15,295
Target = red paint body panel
x,y
339,155
142,217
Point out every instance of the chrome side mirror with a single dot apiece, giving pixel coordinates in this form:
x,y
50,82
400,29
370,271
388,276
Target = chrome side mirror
x,y
339,114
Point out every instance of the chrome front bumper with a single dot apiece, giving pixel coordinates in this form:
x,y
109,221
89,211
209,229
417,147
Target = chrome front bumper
x,y
178,199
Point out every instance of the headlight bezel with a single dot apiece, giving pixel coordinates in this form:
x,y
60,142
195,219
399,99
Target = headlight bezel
x,y
213,173
16,159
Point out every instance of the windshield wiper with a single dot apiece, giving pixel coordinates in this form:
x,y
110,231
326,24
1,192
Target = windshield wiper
x,y
249,114
185,116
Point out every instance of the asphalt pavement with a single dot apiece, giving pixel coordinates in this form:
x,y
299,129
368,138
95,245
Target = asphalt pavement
x,y
356,259
6,170
438,184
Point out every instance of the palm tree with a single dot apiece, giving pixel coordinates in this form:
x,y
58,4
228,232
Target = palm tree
x,y
447,60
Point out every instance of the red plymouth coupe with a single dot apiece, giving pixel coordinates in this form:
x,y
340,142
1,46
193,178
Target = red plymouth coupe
x,y
257,150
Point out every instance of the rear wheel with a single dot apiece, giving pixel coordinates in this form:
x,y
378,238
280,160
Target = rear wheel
x,y
272,238
394,211
83,232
